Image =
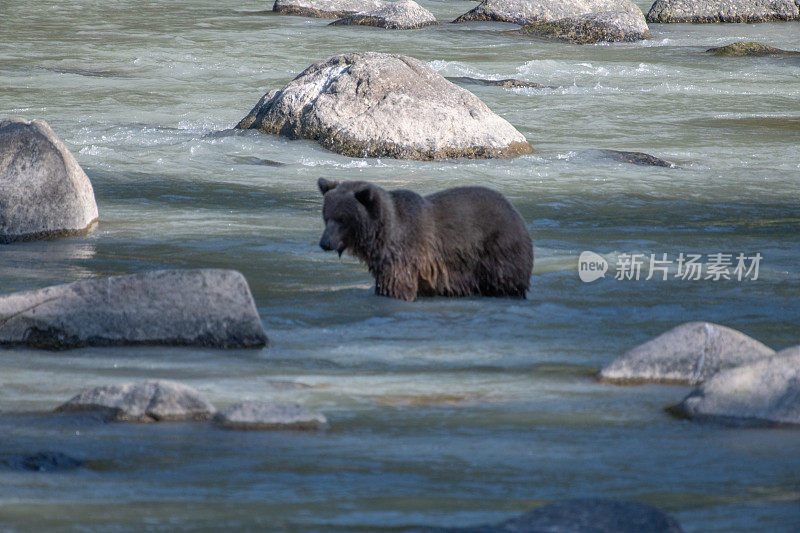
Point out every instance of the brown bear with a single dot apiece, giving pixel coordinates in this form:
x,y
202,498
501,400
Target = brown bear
x,y
456,242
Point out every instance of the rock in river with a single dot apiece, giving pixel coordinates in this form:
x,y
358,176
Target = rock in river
x,y
385,105
703,11
209,307
145,401
766,392
330,9
749,49
604,26
400,15
267,416
44,193
689,353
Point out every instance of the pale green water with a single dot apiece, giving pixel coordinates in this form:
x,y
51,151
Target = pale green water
x,y
444,412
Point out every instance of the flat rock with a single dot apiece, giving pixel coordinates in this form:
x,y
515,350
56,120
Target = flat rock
x,y
634,158
705,11
400,15
689,354
42,462
526,12
749,49
586,516
509,82
603,26
146,401
268,416
325,8
766,392
212,308
44,193
385,105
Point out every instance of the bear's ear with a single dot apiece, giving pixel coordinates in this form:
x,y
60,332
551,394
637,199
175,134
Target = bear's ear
x,y
325,185
368,196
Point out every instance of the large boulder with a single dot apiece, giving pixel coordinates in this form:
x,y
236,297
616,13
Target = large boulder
x,y
749,49
44,193
603,26
145,401
400,15
765,392
586,516
330,9
703,11
385,105
688,354
267,416
212,308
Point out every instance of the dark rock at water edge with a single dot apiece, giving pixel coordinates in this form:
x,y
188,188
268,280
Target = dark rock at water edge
x,y
749,49
385,105
146,401
44,193
586,516
42,462
634,158
399,15
711,11
508,83
763,393
212,308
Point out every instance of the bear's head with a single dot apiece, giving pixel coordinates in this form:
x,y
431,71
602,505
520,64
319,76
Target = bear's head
x,y
351,211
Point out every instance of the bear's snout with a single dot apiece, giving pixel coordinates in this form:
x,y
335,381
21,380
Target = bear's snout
x,y
325,243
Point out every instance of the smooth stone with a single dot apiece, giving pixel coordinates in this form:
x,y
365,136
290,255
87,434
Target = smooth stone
x,y
44,192
688,354
509,83
209,307
145,401
268,416
749,49
526,12
605,26
763,393
325,8
400,15
586,516
42,462
634,158
705,11
385,105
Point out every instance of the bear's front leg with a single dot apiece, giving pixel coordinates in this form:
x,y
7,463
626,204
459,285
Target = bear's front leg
x,y
402,286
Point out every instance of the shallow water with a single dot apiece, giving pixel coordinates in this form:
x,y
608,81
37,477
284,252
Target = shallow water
x,y
444,412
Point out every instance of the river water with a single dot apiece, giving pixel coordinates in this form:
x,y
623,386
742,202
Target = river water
x,y
444,412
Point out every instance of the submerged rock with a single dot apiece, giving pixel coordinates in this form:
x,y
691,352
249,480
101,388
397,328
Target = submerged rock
x,y
749,49
766,392
586,516
325,8
385,105
400,15
634,158
42,462
212,308
689,353
146,401
704,11
268,416
44,193
605,26
509,83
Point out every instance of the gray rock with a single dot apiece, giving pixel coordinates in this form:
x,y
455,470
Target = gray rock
x,y
44,193
704,11
385,105
509,82
766,392
527,12
689,353
586,516
749,49
266,416
325,8
595,27
634,158
208,307
146,401
400,15
42,462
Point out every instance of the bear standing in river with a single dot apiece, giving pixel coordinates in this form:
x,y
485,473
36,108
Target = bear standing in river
x,y
457,242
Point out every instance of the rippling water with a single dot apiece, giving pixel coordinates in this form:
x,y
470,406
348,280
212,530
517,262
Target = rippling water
x,y
444,412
